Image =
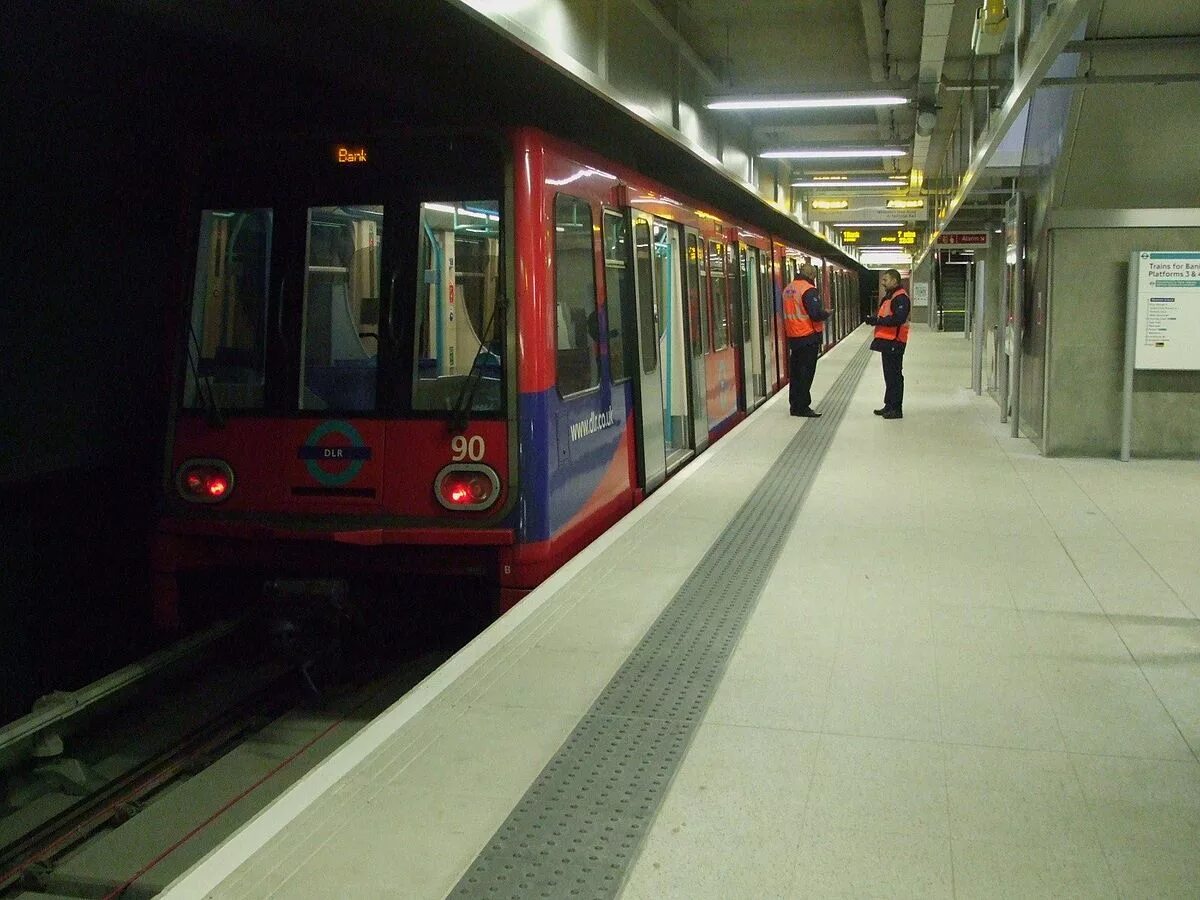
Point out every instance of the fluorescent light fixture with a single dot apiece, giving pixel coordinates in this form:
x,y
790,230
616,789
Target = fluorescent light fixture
x,y
873,183
846,153
867,224
812,101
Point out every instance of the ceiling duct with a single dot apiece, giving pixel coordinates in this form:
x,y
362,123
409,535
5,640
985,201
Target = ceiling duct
x,y
935,32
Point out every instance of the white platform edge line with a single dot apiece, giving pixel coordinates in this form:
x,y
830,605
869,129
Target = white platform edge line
x,y
220,862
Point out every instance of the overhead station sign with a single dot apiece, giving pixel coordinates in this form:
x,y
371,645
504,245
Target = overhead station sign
x,y
963,239
903,237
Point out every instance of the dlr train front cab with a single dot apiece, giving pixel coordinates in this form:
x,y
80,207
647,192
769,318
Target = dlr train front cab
x,y
438,356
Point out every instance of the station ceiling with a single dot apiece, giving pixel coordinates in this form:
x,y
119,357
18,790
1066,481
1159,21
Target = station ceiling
x,y
919,49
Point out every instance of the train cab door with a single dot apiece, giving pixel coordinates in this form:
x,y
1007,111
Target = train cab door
x,y
751,327
697,333
650,427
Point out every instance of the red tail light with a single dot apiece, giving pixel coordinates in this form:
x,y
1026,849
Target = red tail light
x,y
204,480
467,486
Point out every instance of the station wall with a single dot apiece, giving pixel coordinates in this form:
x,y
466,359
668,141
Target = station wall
x,y
1087,302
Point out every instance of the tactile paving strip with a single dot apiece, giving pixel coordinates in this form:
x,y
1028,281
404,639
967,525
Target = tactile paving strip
x,y
577,830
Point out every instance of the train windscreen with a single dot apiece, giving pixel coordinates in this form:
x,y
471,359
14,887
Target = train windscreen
x,y
300,305
227,328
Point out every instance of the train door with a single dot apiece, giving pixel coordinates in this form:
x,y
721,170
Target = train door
x,y
766,310
822,284
672,343
697,328
752,355
650,425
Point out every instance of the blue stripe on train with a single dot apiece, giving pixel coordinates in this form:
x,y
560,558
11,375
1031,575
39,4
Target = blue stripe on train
x,y
566,447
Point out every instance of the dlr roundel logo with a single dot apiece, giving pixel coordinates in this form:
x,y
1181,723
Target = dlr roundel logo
x,y
334,453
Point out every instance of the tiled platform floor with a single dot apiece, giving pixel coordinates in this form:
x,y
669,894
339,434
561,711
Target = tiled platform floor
x,y
975,672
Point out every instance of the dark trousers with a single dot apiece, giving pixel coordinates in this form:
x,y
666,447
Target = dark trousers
x,y
802,366
893,380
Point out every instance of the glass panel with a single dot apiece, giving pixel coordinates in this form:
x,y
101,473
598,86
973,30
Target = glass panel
x,y
644,263
767,311
747,276
575,296
750,274
341,308
227,330
457,325
720,310
695,319
672,349
618,289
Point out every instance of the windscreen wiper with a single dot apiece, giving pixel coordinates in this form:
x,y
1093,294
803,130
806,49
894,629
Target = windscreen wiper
x,y
466,396
212,412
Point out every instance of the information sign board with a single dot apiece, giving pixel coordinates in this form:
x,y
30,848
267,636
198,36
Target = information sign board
x,y
963,239
1168,311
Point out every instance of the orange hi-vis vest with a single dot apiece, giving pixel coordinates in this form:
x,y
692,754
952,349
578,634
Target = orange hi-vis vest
x,y
797,323
891,332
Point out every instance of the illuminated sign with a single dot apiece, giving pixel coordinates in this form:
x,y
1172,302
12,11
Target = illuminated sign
x,y
906,204
851,237
906,237
349,156
963,238
888,239
831,204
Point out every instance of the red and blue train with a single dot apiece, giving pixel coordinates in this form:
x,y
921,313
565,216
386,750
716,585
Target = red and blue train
x,y
450,354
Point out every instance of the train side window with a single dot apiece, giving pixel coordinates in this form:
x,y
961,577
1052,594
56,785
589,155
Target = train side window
x,y
457,324
341,308
577,328
746,273
705,306
720,306
643,254
618,290
699,324
227,329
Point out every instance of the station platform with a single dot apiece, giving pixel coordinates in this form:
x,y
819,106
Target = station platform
x,y
835,657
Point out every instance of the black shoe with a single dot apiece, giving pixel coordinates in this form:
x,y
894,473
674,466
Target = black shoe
x,y
892,414
808,414
881,410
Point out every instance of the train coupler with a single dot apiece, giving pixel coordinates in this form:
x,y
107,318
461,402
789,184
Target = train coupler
x,y
307,624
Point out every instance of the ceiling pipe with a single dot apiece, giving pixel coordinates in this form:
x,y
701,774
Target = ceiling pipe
x,y
873,26
935,32
1174,78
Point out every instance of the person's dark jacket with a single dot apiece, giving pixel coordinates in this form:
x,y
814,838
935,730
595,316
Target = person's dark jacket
x,y
817,312
900,308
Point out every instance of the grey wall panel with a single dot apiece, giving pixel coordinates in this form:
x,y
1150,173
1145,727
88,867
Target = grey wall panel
x,y
695,122
1033,348
1088,283
1140,147
641,61
572,27
736,159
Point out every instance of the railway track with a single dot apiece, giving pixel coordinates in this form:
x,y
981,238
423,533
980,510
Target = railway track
x,y
158,784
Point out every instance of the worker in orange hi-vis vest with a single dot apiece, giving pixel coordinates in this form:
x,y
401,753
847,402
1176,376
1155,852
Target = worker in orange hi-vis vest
x,y
891,337
803,322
